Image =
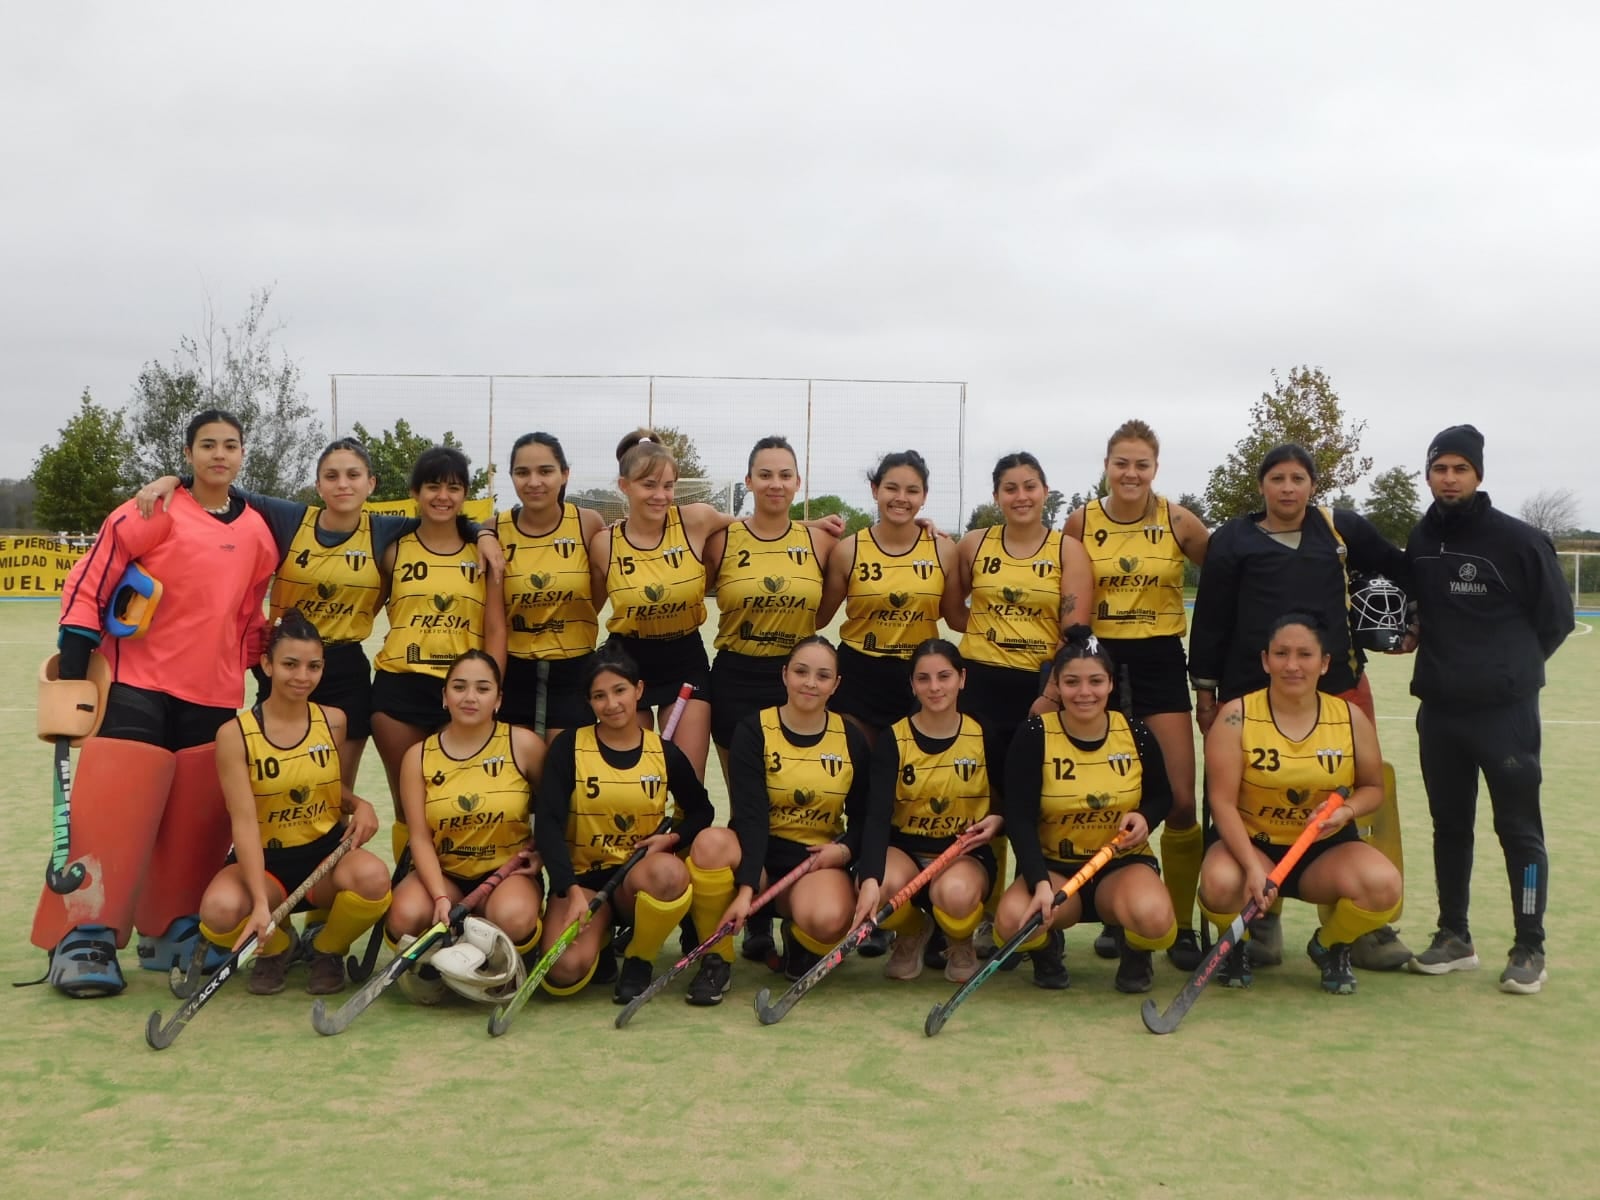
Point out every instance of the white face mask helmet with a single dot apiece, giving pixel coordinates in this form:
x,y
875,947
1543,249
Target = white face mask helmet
x,y
1378,614
482,964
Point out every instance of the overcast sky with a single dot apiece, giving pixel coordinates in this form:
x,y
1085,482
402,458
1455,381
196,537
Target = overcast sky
x,y
1085,214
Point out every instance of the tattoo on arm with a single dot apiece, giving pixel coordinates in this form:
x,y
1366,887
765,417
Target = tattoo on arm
x,y
1234,718
1069,605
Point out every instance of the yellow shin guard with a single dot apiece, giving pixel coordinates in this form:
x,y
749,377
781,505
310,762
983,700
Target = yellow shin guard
x,y
906,920
1002,860
1181,852
1139,942
1037,941
712,892
1220,920
958,929
573,988
654,920
1383,832
222,937
1348,922
809,942
350,917
526,948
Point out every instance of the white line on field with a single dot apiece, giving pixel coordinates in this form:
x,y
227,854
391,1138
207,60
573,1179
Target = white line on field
x,y
1407,720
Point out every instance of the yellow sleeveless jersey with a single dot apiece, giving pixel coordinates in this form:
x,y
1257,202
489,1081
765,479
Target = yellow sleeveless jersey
x,y
1138,574
1284,781
336,587
612,810
892,603
656,593
1015,620
767,592
806,785
939,795
548,610
435,609
297,788
477,808
1085,794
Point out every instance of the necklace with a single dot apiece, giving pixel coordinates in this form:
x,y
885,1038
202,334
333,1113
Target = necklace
x,y
217,512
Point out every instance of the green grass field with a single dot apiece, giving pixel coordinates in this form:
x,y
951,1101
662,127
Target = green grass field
x,y
1413,1088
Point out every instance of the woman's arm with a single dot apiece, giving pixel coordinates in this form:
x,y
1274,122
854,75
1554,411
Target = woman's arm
x,y
1024,764
694,802
529,750
1193,537
958,581
361,820
550,807
233,773
1224,762
1155,793
700,521
711,558
883,769
750,818
1077,584
599,569
836,581
414,803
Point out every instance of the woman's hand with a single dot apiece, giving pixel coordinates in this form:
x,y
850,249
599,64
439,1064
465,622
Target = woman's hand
x,y
832,524
1043,904
1205,711
363,823
1135,830
830,854
492,556
1334,821
532,866
1255,884
739,911
981,833
441,909
657,843
155,493
866,901
259,924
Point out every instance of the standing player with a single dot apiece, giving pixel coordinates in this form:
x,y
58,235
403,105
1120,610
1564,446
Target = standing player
x,y
1492,607
1139,541
798,786
1079,776
551,625
289,808
1272,756
604,793
466,792
147,811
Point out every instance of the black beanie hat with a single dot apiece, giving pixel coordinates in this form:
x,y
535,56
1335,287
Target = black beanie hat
x,y
1464,440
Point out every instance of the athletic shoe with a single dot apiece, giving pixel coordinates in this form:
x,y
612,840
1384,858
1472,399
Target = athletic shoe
x,y
327,974
712,982
797,960
933,953
1136,972
267,974
174,948
906,960
759,945
1050,963
983,940
1447,952
961,963
1380,950
877,944
1185,953
1524,974
301,950
1235,972
1334,963
1266,940
632,979
688,939
605,964
1108,944
84,963
422,985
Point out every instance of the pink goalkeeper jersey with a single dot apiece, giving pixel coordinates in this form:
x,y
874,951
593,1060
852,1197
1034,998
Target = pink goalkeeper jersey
x,y
209,626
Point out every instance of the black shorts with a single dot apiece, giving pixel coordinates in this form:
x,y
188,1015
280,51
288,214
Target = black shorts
x,y
413,699
566,700
135,714
1152,673
596,878
1087,892
292,865
1290,887
998,698
346,685
875,690
742,684
666,664
922,856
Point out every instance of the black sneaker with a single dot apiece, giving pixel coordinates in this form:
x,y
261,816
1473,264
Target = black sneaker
x,y
605,964
797,960
688,939
1050,963
1525,972
1235,972
707,988
933,953
632,979
1136,972
876,945
1108,944
759,945
1334,963
1185,952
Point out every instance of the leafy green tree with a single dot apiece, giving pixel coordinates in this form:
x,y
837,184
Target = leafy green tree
x,y
985,515
241,370
1100,489
826,506
1343,500
1393,505
1054,501
1305,409
684,452
80,479
1196,505
395,451
16,503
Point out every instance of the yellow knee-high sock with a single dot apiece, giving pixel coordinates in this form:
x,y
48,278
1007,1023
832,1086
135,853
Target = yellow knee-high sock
x,y
806,940
315,917
1181,852
654,920
1383,830
351,916
905,920
712,892
1002,860
1349,922
1139,942
222,937
399,837
528,946
1037,941
958,929
1219,919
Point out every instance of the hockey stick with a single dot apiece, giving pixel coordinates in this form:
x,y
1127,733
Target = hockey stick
x,y
328,1024
58,876
360,969
659,984
161,1036
771,1012
940,1013
1165,1022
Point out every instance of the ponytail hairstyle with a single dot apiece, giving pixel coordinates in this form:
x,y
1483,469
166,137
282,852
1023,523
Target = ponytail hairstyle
x,y
1012,461
1077,642
900,458
642,452
476,655
940,647
551,443
1134,430
294,626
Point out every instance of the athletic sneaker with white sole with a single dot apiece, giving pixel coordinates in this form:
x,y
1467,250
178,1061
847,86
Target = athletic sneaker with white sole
x,y
1448,951
1525,973
1380,950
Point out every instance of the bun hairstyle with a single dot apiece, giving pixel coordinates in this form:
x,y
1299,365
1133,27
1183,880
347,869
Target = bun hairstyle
x,y
642,452
1134,430
1079,641
938,646
551,443
482,656
900,458
292,626
612,659
1311,621
770,442
441,464
1020,459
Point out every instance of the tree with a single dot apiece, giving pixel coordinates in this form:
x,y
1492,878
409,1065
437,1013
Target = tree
x,y
1303,409
81,478
684,452
16,503
240,370
1053,502
1554,510
394,452
1343,500
1096,492
826,506
1196,505
985,515
1393,506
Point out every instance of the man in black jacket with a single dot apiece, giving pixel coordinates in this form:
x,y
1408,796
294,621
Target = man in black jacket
x,y
1492,606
